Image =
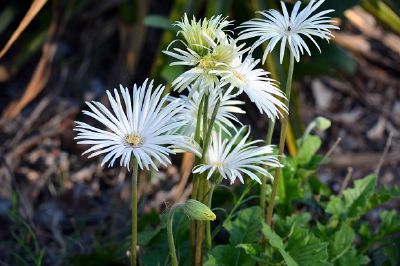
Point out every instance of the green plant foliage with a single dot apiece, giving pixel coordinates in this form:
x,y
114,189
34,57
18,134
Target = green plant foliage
x,y
354,201
306,249
240,233
276,241
308,148
160,22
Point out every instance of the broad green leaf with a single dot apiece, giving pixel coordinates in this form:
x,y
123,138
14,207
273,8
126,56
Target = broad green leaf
x,y
308,148
171,73
226,255
342,242
306,249
354,201
331,59
245,227
158,21
382,196
276,242
253,250
145,237
390,222
351,258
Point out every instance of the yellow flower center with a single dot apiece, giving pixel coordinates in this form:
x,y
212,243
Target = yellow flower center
x,y
207,62
218,164
239,76
134,140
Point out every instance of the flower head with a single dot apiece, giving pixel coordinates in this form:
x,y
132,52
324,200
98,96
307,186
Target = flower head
x,y
205,68
233,160
289,29
142,129
225,115
196,33
255,83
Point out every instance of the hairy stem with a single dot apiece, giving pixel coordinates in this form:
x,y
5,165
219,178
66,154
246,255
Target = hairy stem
x,y
208,225
197,137
203,183
134,212
263,190
282,139
172,252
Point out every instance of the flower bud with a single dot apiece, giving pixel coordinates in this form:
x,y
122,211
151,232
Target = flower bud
x,y
198,211
322,123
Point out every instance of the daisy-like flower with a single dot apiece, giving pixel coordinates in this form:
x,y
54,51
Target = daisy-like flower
x,y
233,160
225,116
143,129
195,33
205,69
253,81
290,29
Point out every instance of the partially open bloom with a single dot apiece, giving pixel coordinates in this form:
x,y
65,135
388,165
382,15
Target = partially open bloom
x,y
196,33
140,126
205,68
225,115
235,157
253,81
289,29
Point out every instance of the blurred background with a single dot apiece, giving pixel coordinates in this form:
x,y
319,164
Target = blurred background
x,y
58,208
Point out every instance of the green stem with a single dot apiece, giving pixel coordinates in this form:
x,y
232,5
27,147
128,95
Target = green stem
x,y
210,127
172,252
282,139
263,190
208,225
205,118
202,186
134,212
196,180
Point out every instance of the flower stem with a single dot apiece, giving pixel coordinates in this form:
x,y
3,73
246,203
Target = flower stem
x,y
202,186
282,139
172,252
208,224
196,180
134,212
263,190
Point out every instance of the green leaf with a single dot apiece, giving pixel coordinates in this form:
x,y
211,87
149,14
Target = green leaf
x,y
171,73
253,250
145,237
390,222
354,201
306,249
157,21
245,228
342,242
276,242
226,255
382,196
308,148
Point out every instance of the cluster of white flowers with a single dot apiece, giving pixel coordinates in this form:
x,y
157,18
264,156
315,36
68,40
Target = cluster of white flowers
x,y
149,126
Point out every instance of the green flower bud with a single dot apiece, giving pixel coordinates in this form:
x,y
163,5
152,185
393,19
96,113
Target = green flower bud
x,y
198,211
322,123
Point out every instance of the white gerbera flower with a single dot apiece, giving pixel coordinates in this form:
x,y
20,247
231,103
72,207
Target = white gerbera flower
x,y
233,160
205,69
261,90
142,129
289,29
225,116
